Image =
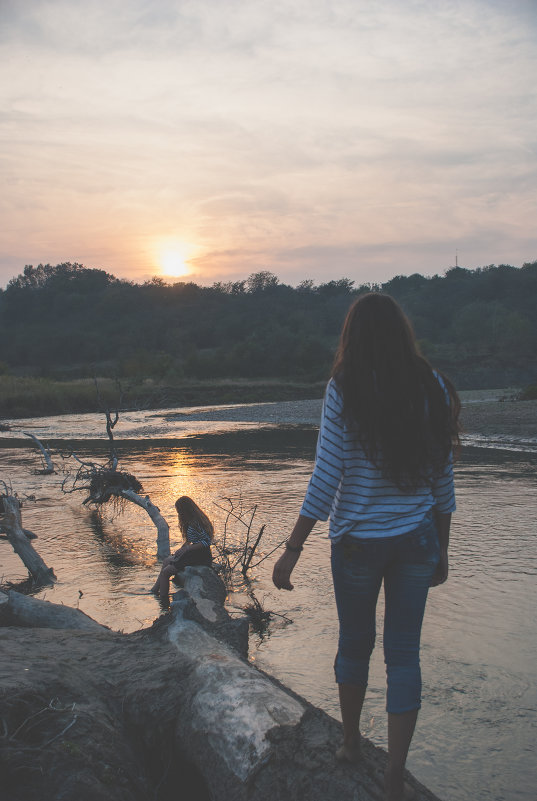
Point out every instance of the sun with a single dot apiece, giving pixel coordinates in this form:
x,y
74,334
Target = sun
x,y
173,263
173,256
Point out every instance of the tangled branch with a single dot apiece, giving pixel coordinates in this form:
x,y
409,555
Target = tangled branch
x,y
261,618
235,553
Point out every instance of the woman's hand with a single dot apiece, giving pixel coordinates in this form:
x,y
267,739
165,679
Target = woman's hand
x,y
285,564
283,569
441,573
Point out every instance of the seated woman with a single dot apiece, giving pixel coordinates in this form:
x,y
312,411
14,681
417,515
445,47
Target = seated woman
x,y
198,532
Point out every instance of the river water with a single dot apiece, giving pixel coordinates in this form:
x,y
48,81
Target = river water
x,y
476,732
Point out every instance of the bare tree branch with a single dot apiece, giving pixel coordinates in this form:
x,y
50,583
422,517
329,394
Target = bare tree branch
x,y
239,554
163,530
45,453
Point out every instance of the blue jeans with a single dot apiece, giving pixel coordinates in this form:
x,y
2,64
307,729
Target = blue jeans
x,y
407,563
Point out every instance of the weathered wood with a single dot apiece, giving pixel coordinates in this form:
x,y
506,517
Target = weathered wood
x,y
12,525
46,453
163,530
209,594
26,532
187,701
23,610
105,483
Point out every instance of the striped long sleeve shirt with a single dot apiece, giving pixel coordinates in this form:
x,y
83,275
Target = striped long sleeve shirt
x,y
196,534
360,501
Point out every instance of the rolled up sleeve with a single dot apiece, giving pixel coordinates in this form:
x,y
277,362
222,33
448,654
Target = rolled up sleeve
x,y
443,489
328,469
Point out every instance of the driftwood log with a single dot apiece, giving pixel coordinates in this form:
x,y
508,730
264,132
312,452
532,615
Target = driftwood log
x,y
171,712
104,484
12,526
25,531
23,610
163,530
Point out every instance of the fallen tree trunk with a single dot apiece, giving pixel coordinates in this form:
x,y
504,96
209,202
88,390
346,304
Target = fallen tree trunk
x,y
23,610
12,525
25,531
168,712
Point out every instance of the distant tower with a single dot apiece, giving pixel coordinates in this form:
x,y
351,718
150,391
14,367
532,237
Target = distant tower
x,y
456,257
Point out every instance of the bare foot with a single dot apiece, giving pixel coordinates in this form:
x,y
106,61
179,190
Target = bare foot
x,y
408,792
349,753
164,601
398,790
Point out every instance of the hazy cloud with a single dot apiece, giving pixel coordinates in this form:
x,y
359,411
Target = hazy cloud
x,y
310,138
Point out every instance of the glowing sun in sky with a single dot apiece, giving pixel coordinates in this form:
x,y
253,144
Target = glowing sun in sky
x,y
172,262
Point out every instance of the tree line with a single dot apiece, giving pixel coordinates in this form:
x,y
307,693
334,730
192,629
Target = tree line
x,y
68,320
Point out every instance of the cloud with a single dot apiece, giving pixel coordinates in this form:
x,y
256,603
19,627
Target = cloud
x,y
266,129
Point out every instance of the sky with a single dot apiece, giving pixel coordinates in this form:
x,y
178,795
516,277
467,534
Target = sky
x,y
206,140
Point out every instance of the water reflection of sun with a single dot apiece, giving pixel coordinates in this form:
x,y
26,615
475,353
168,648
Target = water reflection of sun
x,y
187,476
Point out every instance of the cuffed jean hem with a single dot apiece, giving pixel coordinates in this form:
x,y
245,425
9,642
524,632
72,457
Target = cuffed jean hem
x,y
402,711
404,688
406,563
347,671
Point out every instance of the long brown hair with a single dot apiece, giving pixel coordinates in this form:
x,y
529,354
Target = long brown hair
x,y
404,419
189,512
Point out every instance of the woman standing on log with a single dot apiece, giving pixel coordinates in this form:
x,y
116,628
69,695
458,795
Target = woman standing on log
x,y
198,532
383,472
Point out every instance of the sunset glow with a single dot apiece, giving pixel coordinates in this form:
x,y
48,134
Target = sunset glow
x,y
173,264
171,257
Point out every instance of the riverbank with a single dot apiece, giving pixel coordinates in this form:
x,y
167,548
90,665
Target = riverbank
x,y
42,397
484,413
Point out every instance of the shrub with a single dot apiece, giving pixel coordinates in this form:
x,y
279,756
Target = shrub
x,y
529,393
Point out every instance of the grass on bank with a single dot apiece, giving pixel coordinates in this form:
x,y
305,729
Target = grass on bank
x,y
39,397
529,393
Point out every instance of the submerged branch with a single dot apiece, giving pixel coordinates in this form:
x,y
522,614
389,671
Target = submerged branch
x,y
45,453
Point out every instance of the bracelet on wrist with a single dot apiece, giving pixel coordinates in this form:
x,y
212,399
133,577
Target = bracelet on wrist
x,y
294,548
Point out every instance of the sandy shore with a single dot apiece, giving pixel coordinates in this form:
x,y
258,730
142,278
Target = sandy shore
x,y
487,417
508,418
302,412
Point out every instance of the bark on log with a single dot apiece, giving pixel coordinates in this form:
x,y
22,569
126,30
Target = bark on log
x,y
163,530
208,593
25,531
169,712
12,525
23,610
46,454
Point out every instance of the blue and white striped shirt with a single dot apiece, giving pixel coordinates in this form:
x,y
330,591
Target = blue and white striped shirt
x,y
196,534
359,499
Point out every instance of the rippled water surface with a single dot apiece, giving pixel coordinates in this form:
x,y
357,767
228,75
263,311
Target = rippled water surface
x,y
476,732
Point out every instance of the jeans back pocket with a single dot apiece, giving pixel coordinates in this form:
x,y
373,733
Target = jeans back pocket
x,y
422,545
